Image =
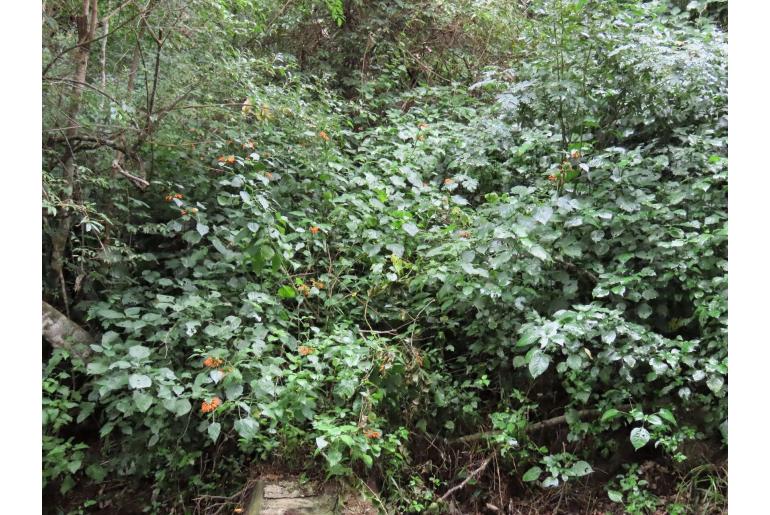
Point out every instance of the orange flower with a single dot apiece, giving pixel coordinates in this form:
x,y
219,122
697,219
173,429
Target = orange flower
x,y
168,198
317,284
178,195
324,136
551,177
448,181
371,434
464,234
304,289
249,144
194,210
304,350
208,407
314,229
575,154
226,159
422,126
269,175
212,362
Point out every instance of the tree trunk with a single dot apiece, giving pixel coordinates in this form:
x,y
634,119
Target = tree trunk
x,y
86,29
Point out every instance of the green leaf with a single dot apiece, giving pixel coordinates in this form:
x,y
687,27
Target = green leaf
x,y
580,469
138,381
610,414
532,474
286,292
538,363
234,391
667,415
550,482
182,407
639,437
715,383
528,338
615,496
247,428
214,430
202,229
410,228
539,252
138,352
96,368
142,401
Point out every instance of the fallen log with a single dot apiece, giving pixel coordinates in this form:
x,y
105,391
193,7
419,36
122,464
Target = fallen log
x,y
63,333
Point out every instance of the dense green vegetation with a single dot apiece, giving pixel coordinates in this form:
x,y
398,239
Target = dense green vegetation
x,y
389,243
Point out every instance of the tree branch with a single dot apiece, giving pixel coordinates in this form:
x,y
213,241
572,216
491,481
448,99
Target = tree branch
x,y
473,474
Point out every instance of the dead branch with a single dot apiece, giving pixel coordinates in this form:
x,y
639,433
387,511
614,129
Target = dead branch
x,y
140,183
473,474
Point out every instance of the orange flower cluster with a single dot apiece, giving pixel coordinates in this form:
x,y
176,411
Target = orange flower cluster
x,y
169,198
317,284
314,229
226,159
269,175
324,136
249,144
422,126
304,289
305,350
212,362
575,154
372,434
448,181
551,177
464,234
208,407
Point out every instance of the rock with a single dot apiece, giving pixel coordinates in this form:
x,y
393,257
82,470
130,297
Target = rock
x,y
289,496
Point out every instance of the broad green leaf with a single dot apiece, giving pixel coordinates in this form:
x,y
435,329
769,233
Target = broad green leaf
x,y
247,428
538,363
410,228
715,383
142,401
213,431
580,469
138,352
182,407
138,381
96,368
286,292
639,437
615,496
610,414
532,474
667,415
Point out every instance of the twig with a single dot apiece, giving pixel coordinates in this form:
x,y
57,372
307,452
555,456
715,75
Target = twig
x,y
467,479
140,183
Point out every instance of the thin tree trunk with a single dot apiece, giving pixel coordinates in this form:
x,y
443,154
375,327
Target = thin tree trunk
x,y
86,23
